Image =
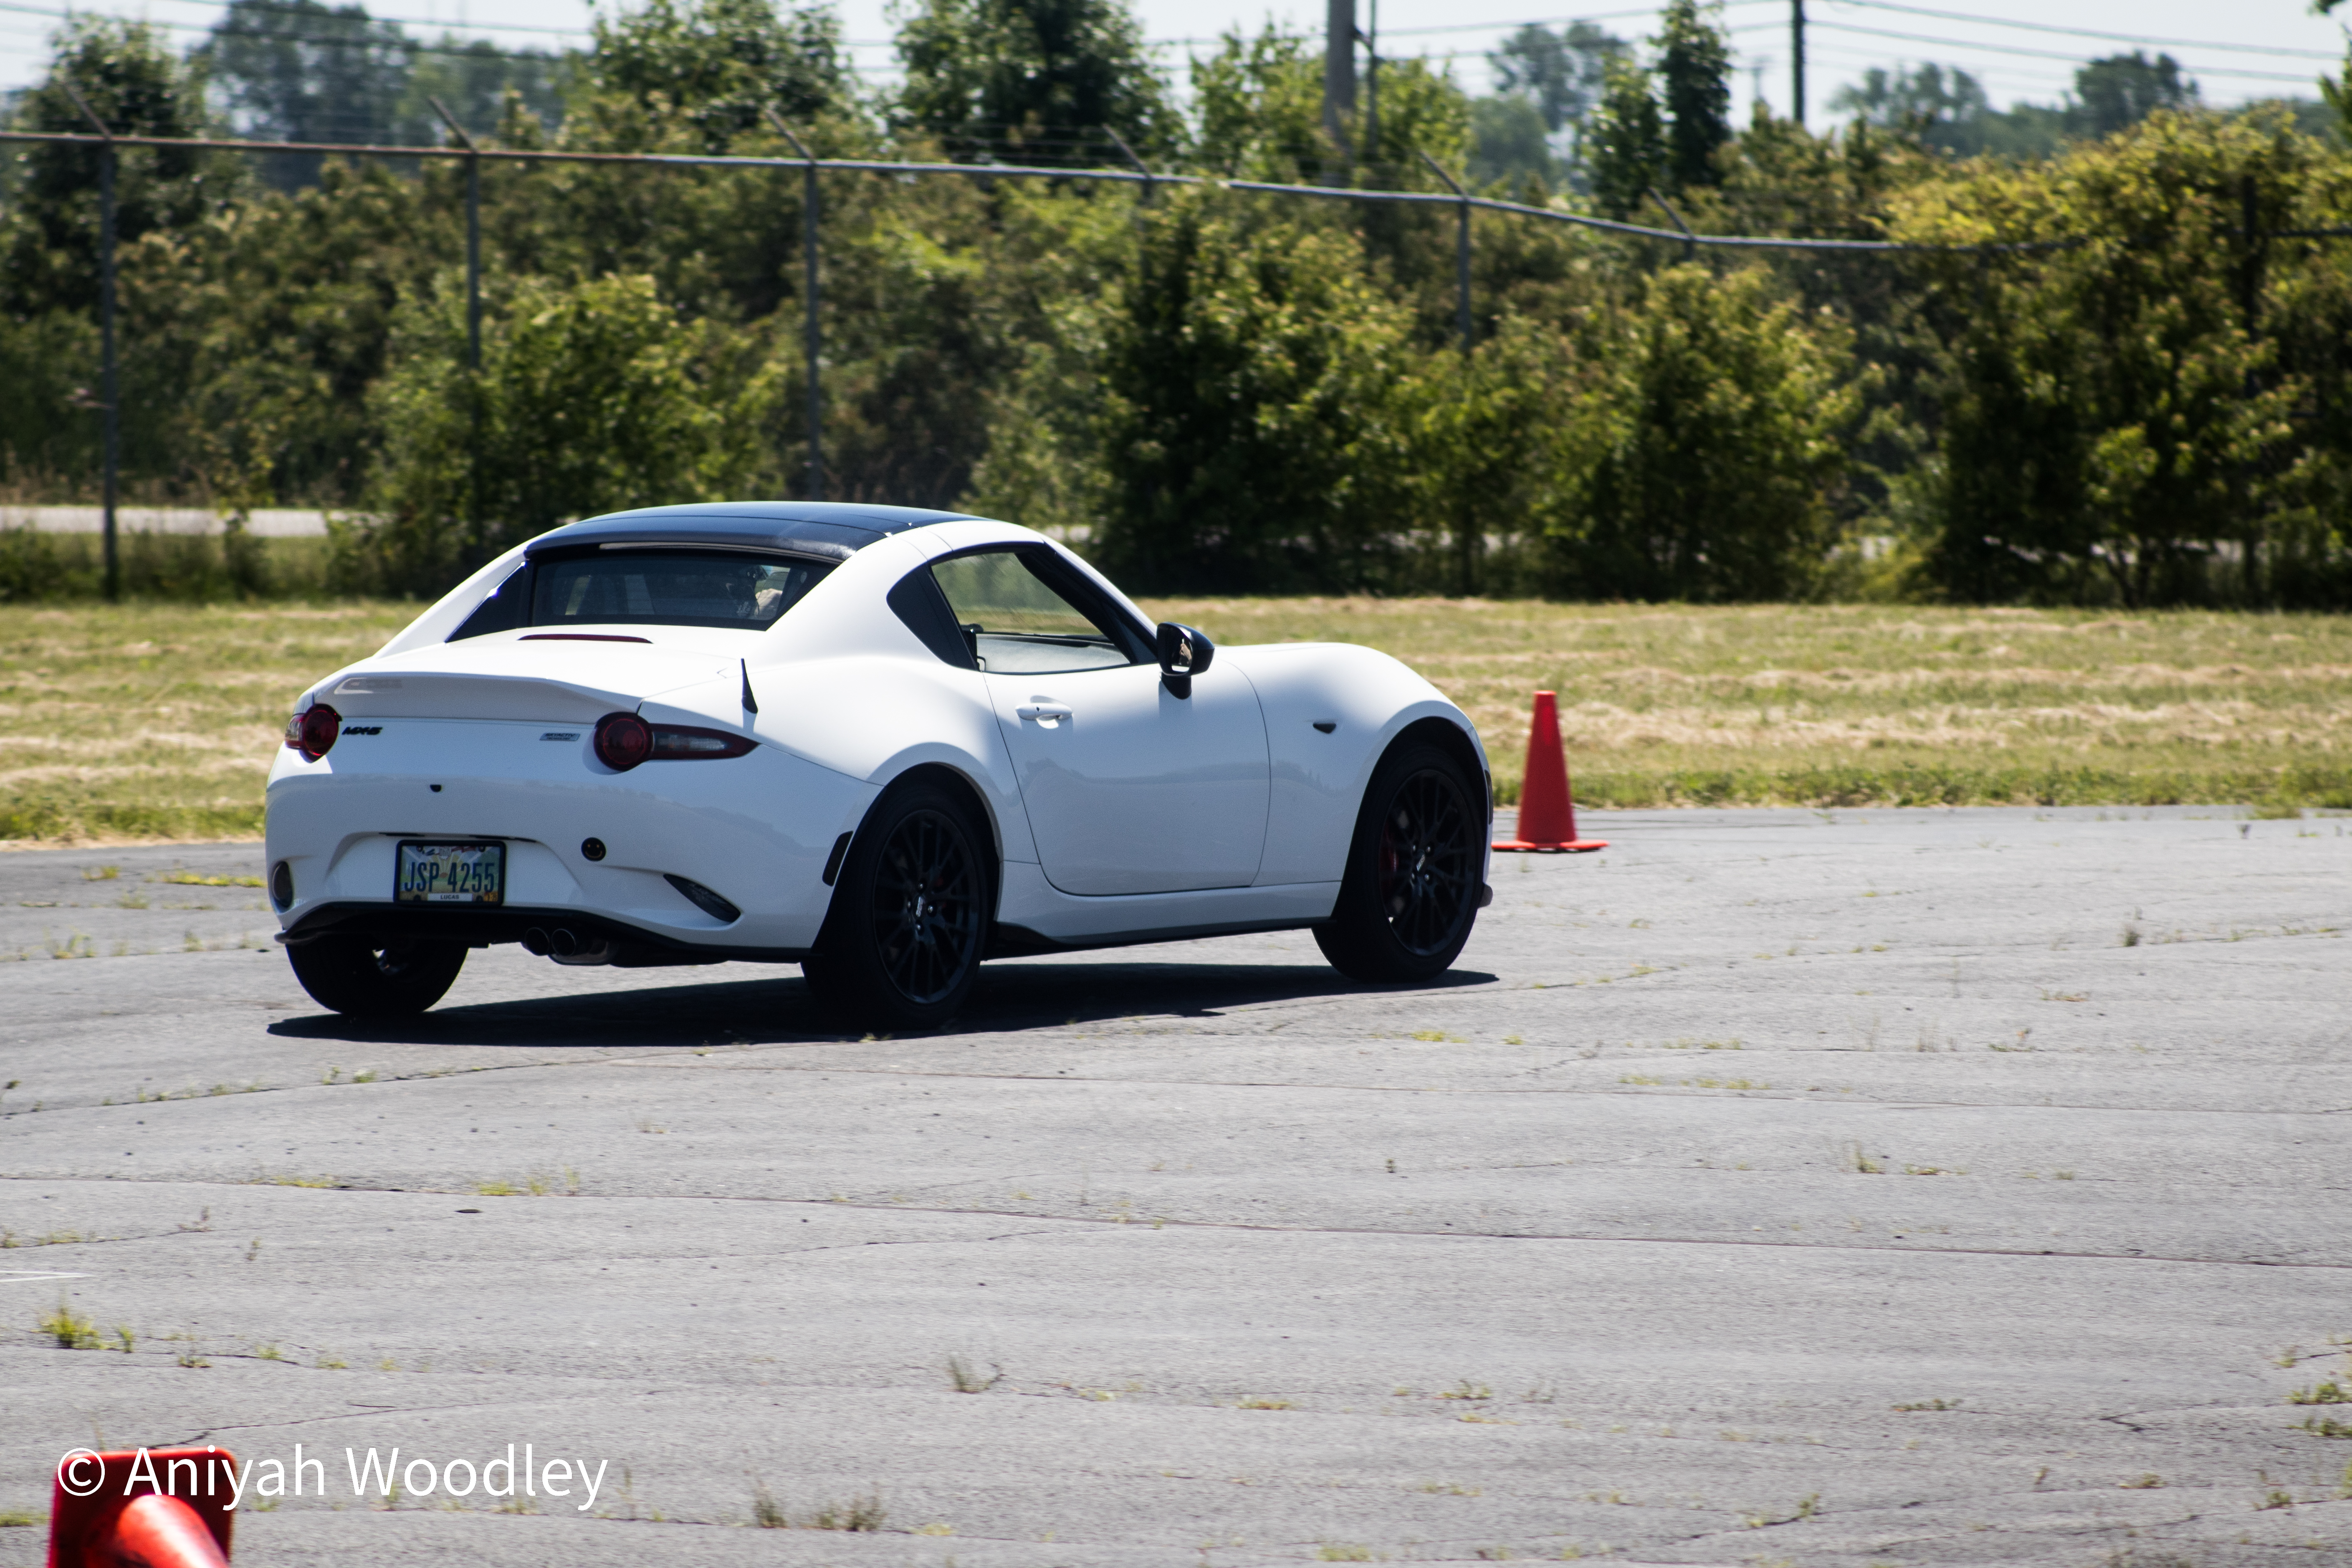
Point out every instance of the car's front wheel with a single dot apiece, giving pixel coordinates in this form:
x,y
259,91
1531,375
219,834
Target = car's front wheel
x,y
375,980
901,948
1410,889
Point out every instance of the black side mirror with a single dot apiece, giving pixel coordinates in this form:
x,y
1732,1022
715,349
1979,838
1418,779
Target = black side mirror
x,y
1184,652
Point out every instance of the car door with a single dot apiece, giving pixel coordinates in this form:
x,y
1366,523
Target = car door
x,y
1130,787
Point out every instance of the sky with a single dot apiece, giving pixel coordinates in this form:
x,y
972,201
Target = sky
x,y
2019,49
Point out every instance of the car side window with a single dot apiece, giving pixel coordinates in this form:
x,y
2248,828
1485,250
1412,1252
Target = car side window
x,y
1016,621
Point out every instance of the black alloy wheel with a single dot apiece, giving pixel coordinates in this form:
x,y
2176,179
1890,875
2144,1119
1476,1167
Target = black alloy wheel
x,y
901,948
1411,890
369,979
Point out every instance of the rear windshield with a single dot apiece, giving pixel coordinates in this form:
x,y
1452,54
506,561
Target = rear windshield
x,y
649,587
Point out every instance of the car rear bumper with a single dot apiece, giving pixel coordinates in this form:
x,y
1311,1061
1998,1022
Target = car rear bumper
x,y
755,829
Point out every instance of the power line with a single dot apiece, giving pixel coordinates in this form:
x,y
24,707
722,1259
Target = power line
x,y
2036,54
2091,32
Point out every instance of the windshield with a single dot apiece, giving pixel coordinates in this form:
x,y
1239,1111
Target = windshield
x,y
649,587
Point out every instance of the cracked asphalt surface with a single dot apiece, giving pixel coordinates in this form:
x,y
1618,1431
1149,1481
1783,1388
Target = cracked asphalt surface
x,y
1774,1188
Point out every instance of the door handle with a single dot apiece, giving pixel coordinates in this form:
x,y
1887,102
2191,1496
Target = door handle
x,y
1045,713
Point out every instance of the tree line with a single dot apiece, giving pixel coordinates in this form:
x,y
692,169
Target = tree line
x,y
2117,371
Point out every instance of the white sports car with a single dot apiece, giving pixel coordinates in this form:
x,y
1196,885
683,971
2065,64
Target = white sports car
x,y
881,744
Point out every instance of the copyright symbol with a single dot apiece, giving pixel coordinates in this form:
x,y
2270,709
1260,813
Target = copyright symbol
x,y
72,1468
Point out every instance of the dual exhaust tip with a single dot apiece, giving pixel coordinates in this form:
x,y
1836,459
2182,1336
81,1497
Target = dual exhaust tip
x,y
566,946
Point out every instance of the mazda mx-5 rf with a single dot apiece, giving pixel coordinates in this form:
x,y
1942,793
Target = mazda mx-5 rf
x,y
881,744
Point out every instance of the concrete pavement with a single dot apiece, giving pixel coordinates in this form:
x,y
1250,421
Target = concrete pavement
x,y
1820,1188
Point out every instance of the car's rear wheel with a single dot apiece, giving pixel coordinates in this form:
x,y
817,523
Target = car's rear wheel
x,y
901,948
371,979
1409,892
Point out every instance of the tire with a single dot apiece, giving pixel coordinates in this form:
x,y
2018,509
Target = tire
x,y
367,979
901,946
1410,893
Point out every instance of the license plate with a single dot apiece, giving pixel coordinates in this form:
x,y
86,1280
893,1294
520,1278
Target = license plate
x,y
430,873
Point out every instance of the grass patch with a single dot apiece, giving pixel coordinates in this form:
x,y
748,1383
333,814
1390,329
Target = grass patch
x,y
1872,705
159,721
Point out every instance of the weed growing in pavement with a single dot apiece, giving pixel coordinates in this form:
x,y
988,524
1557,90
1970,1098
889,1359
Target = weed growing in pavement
x,y
9,1238
1806,1508
965,1379
2328,1392
1263,1405
2328,1426
766,1512
187,1355
2274,1499
17,1518
538,1184
268,1352
1465,1389
865,1515
1864,1164
2147,1483
70,1330
1931,1404
1343,1551
101,873
125,1340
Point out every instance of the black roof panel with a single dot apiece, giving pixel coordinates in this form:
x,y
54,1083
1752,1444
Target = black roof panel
x,y
836,530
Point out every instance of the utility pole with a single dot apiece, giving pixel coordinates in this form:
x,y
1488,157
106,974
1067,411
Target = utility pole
x,y
110,383
1339,74
1797,58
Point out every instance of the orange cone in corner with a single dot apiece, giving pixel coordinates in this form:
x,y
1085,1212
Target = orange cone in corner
x,y
159,1507
1547,812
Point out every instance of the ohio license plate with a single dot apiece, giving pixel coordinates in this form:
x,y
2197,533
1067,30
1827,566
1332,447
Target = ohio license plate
x,y
440,873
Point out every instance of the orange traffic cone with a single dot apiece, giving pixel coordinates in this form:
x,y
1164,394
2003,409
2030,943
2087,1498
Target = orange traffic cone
x,y
1547,811
152,1508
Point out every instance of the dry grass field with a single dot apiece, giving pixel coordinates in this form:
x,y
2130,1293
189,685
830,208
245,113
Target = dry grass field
x,y
1848,705
158,722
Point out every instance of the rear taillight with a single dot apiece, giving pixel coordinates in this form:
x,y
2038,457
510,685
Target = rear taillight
x,y
624,740
312,732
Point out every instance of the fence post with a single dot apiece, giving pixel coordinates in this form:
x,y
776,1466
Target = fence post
x,y
812,300
110,380
1461,252
1464,525
473,325
1151,179
1690,242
